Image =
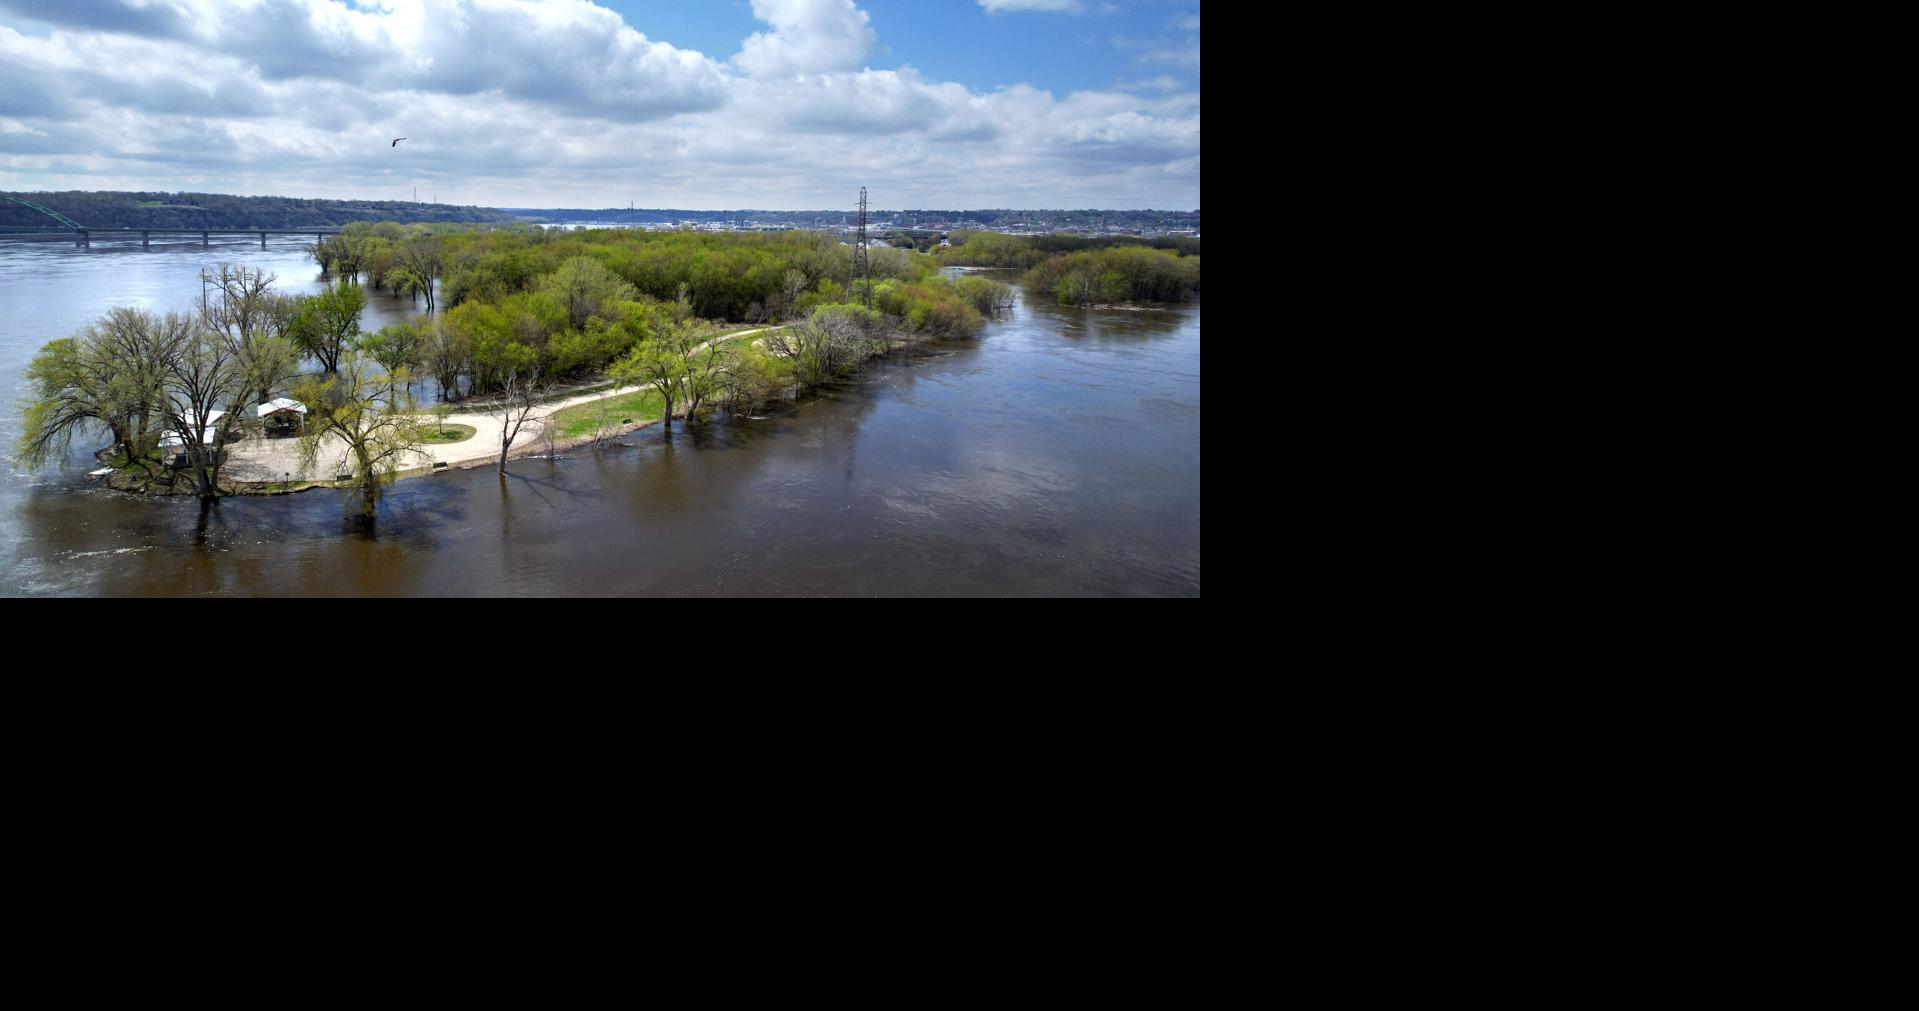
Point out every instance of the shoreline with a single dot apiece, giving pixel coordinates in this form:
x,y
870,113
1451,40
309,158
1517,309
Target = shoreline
x,y
533,445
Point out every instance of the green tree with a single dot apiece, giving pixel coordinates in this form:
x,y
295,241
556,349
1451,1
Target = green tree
x,y
585,288
328,323
446,352
364,414
108,375
396,346
658,362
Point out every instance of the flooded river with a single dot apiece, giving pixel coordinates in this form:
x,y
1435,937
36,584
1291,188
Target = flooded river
x,y
1055,454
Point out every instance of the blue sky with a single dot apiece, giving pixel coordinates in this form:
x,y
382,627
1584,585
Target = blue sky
x,y
778,104
958,40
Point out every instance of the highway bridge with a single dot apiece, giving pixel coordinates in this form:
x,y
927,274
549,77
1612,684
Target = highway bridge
x,y
63,227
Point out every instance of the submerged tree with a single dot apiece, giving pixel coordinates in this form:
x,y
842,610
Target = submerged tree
x,y
367,413
684,362
204,374
395,346
828,344
110,376
238,303
445,351
417,266
515,411
328,323
658,363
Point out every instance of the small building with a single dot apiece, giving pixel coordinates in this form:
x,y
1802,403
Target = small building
x,y
282,415
173,445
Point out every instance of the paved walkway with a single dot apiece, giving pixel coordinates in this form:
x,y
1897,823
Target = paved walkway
x,y
279,459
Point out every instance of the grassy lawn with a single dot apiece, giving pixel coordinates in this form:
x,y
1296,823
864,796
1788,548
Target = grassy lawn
x,y
432,435
581,419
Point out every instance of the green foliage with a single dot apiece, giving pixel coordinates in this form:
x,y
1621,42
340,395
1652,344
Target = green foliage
x,y
396,346
986,296
365,411
585,289
327,325
583,419
1023,252
832,342
112,375
443,434
1127,273
727,274
935,308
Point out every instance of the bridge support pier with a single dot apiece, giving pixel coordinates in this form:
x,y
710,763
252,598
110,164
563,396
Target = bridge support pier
x,y
203,240
81,240
263,240
146,240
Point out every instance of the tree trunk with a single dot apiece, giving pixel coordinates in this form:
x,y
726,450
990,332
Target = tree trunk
x,y
369,485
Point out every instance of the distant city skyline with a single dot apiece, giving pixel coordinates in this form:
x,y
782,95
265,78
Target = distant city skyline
x,y
777,105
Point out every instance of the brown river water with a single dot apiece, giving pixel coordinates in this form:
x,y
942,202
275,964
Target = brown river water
x,y
1056,454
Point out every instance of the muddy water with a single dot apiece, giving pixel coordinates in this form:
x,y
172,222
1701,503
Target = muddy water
x,y
1055,454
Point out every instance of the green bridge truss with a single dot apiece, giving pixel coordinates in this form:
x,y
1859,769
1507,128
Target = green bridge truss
x,y
48,211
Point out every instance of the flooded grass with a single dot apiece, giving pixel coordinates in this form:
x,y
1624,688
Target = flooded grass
x,y
574,422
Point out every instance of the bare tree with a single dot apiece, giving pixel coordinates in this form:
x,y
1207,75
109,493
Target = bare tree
x,y
203,374
515,411
603,424
238,303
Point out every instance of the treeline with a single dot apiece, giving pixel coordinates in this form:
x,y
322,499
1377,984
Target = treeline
x,y
1023,252
1001,217
559,305
1079,270
1090,218
533,308
218,210
1122,274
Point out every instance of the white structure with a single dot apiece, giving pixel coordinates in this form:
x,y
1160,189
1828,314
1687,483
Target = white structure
x,y
282,413
172,439
278,404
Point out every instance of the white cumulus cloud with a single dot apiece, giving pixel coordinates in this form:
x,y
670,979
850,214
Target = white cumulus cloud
x,y
807,36
551,103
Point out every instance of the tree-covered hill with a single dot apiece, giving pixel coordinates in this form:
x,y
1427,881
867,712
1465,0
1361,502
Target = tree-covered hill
x,y
215,210
1039,220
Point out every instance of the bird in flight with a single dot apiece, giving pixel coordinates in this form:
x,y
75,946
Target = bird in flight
x,y
396,142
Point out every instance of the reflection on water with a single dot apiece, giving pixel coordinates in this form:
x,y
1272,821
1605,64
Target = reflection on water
x,y
1056,454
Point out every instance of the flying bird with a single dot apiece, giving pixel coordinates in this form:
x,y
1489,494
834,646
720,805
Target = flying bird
x,y
396,142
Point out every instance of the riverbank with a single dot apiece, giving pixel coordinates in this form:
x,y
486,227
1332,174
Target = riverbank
x,y
262,466
1056,455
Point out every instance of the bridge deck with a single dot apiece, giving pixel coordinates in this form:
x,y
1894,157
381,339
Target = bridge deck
x,y
84,236
57,230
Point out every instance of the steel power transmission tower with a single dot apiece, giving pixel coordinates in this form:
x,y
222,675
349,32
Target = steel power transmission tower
x,y
861,269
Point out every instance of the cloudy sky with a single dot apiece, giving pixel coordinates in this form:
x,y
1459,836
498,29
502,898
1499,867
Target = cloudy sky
x,y
775,104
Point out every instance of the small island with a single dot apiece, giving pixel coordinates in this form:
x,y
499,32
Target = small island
x,y
528,340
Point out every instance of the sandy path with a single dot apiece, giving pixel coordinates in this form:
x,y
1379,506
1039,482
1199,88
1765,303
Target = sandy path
x,y
279,459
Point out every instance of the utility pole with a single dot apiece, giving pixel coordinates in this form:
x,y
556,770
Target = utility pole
x,y
861,268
